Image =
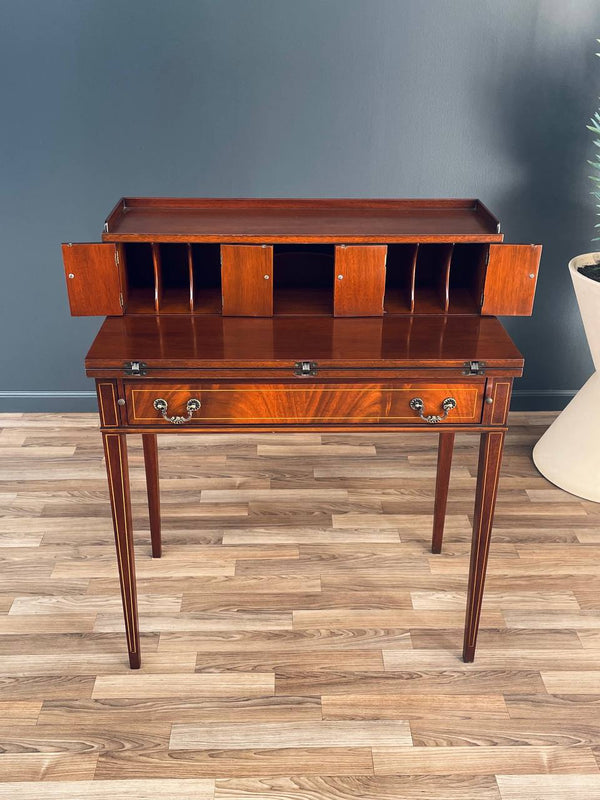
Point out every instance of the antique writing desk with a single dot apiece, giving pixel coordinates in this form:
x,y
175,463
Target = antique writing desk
x,y
296,315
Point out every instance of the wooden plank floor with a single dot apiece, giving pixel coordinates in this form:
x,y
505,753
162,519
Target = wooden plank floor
x,y
299,640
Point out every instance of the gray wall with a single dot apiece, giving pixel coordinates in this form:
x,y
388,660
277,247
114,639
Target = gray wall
x,y
323,98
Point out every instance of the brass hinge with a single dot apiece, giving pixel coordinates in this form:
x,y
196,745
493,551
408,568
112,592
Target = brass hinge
x,y
487,255
306,369
474,368
117,256
121,299
135,368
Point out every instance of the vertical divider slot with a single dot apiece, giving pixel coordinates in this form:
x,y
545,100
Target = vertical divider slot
x,y
444,284
433,265
138,277
467,276
173,278
400,278
205,269
190,264
156,263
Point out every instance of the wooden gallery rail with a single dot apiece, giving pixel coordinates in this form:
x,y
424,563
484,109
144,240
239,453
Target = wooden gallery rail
x,y
302,315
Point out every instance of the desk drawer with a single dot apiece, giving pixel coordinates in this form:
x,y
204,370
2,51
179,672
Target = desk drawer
x,y
302,403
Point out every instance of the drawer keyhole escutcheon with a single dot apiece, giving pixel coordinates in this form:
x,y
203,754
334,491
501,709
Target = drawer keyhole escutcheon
x,y
191,406
418,405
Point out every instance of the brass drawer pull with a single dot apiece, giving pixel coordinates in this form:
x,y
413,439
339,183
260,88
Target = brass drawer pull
x,y
191,406
419,406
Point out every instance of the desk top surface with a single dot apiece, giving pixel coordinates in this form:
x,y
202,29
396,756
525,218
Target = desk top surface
x,y
196,342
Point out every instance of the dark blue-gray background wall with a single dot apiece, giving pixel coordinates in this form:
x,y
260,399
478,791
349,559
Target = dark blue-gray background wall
x,y
323,98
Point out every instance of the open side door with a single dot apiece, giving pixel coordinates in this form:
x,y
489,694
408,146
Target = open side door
x,y
510,279
93,280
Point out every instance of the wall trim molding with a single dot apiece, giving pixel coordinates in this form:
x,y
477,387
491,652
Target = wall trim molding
x,y
46,394
68,402
545,392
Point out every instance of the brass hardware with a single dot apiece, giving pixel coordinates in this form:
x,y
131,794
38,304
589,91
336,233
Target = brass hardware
x,y
135,368
419,406
191,406
120,401
71,276
489,400
340,277
474,368
306,369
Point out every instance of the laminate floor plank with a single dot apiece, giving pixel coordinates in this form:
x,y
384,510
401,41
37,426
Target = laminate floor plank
x,y
206,685
266,735
232,601
546,660
574,681
280,641
39,769
81,644
113,711
514,732
503,639
449,681
186,789
283,663
240,763
413,706
549,787
483,760
376,787
201,621
20,712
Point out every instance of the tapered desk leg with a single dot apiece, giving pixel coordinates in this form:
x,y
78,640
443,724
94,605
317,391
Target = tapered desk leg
x,y
115,450
488,473
151,463
444,463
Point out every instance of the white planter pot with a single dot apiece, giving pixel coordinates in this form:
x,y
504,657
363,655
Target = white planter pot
x,y
568,454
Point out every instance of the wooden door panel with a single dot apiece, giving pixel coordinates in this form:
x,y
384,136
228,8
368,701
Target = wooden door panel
x,y
93,281
247,280
359,283
510,279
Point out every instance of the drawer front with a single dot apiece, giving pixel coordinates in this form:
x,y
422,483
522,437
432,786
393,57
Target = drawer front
x,y
305,403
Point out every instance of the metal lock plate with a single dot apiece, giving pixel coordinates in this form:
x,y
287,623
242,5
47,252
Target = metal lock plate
x,y
306,369
135,368
474,368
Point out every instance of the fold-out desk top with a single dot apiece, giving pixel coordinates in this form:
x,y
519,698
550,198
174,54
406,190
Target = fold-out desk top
x,y
196,342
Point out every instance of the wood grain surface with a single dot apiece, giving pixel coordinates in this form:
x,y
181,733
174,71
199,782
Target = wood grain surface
x,y
301,642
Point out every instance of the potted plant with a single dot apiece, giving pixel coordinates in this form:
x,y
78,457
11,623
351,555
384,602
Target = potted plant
x,y
568,454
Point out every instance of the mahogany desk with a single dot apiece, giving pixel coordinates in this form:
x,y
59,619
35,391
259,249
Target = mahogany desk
x,y
296,315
